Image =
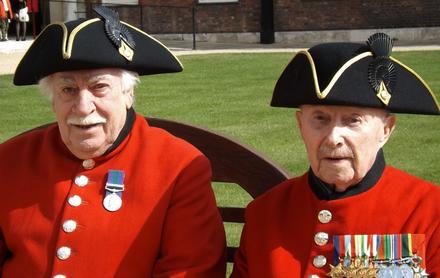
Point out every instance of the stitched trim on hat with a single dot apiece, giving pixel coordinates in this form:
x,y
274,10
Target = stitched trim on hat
x,y
421,80
322,94
143,33
67,53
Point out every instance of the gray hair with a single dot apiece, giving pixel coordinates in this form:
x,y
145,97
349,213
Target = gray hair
x,y
129,79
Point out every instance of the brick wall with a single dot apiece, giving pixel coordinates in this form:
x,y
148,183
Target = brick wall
x,y
175,16
292,15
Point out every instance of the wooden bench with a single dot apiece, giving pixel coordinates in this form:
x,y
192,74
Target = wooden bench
x,y
232,163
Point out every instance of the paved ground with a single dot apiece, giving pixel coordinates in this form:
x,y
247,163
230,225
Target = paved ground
x,y
12,51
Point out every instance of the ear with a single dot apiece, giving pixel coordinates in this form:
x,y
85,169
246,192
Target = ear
x,y
298,115
388,128
129,98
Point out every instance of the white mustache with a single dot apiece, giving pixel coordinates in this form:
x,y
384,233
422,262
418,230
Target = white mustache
x,y
88,120
335,153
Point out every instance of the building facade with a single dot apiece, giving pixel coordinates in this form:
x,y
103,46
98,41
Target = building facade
x,y
259,20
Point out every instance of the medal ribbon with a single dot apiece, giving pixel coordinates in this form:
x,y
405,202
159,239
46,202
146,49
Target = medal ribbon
x,y
406,246
357,246
375,244
367,245
381,245
398,246
336,249
348,252
387,247
115,182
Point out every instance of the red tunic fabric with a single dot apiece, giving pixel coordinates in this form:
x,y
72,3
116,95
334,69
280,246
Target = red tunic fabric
x,y
33,6
278,237
168,225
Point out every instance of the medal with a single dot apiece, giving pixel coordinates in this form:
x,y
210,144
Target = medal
x,y
406,271
384,256
113,190
112,202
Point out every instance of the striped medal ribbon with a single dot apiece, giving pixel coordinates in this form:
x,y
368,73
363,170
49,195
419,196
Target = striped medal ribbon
x,y
113,190
378,255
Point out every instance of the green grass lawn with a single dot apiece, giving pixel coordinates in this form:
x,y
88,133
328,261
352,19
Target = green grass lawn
x,y
230,93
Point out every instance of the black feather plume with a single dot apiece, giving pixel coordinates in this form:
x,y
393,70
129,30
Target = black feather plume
x,y
380,44
114,29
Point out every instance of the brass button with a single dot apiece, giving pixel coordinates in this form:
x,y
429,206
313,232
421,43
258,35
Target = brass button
x,y
324,216
75,201
88,164
319,261
81,181
69,226
63,253
321,238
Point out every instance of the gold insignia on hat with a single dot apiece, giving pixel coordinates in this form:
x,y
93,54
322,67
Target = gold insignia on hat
x,y
126,51
383,93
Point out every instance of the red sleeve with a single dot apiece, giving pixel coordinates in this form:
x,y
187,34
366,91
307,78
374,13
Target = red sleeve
x,y
3,253
193,242
433,254
11,14
240,263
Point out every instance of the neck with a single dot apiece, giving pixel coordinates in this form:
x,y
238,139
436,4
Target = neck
x,y
325,191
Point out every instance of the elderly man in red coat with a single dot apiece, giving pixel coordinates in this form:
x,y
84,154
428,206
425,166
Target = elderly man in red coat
x,y
350,215
101,193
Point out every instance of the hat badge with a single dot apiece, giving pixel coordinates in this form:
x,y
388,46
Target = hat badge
x,y
381,71
117,33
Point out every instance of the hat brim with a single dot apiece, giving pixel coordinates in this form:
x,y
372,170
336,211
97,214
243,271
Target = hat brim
x,y
83,44
300,84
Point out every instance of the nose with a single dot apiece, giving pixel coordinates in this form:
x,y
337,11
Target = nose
x,y
335,136
84,104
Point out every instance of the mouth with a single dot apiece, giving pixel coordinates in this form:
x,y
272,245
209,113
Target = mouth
x,y
87,127
336,159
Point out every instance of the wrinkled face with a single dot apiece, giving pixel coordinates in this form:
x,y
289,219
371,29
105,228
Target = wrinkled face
x,y
342,141
90,108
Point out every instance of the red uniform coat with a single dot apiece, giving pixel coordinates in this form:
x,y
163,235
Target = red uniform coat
x,y
278,237
168,225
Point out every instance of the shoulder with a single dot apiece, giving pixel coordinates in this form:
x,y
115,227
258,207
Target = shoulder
x,y
407,181
163,137
29,140
158,141
401,184
279,195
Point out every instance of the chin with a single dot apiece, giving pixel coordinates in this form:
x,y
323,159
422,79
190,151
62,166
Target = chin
x,y
341,187
87,154
87,150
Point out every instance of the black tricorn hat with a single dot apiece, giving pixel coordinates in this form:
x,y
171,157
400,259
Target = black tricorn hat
x,y
103,42
354,74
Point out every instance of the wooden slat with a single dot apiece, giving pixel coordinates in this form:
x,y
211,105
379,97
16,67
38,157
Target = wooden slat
x,y
230,253
232,214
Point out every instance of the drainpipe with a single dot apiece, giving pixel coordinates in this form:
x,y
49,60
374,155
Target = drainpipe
x,y
267,32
